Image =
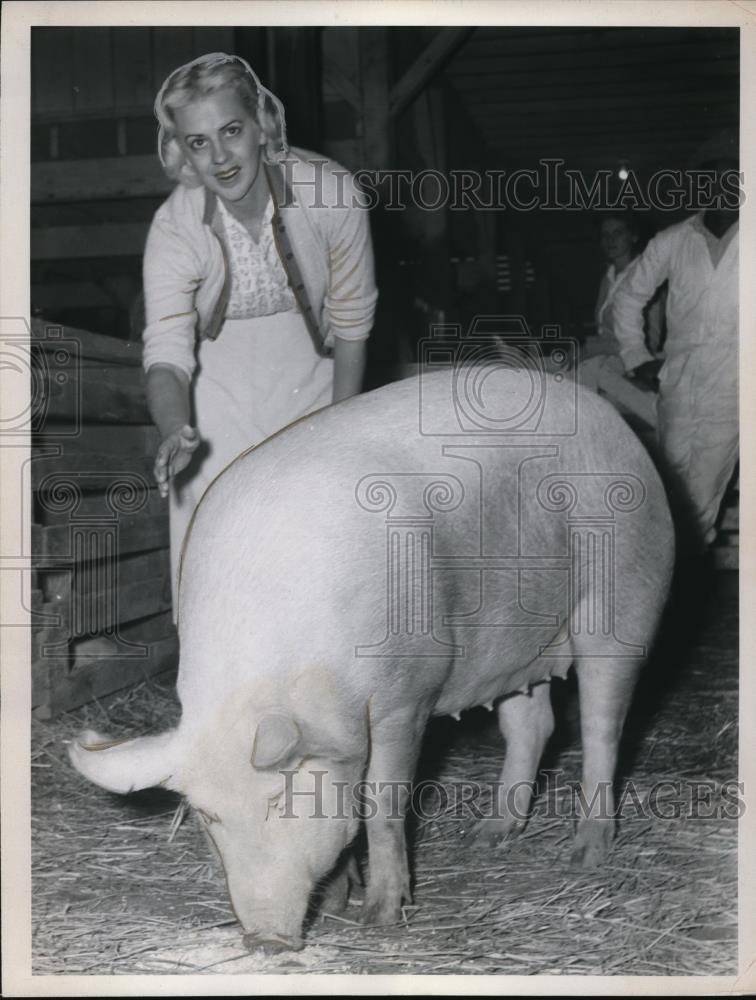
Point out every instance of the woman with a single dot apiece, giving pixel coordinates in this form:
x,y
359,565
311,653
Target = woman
x,y
621,244
601,368
258,278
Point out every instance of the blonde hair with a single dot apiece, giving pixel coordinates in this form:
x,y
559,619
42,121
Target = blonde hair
x,y
197,79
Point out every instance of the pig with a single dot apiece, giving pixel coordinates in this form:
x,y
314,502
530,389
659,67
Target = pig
x,y
377,564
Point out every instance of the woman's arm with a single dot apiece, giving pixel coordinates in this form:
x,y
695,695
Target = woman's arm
x,y
632,295
349,358
351,296
170,270
168,403
167,398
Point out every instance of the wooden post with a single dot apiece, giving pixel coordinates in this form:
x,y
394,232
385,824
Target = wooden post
x,y
293,74
434,274
374,74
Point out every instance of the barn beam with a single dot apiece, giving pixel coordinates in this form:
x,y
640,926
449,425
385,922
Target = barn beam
x,y
625,104
90,180
374,78
338,81
73,295
430,61
294,75
107,240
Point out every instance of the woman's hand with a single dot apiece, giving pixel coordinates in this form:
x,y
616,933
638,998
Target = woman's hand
x,y
168,403
174,454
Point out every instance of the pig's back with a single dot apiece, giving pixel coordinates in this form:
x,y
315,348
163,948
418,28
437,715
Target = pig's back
x,y
289,545
407,421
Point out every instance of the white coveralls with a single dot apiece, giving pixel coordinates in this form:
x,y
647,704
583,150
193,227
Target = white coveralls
x,y
601,368
697,407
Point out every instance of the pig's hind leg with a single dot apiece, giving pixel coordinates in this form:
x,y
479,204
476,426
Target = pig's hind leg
x,y
526,723
606,689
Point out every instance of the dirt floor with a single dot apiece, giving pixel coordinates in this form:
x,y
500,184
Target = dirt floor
x,y
127,884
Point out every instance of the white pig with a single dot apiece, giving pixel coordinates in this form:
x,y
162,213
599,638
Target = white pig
x,y
379,563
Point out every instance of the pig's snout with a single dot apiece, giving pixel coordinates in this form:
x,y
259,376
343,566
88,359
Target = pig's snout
x,y
271,944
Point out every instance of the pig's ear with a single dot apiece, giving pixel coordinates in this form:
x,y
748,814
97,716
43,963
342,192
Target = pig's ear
x,y
127,765
277,740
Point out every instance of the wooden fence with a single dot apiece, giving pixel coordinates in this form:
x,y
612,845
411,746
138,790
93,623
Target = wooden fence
x,y
101,593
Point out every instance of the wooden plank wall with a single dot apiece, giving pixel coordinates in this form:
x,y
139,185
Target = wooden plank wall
x,y
101,596
84,70
96,180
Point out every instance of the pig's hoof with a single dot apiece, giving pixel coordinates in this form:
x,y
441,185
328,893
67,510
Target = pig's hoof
x,y
385,908
493,832
375,914
592,844
271,944
335,896
588,856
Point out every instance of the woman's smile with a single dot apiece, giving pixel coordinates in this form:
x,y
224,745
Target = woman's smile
x,y
228,175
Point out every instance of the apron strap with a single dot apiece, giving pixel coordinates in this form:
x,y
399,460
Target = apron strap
x,y
289,260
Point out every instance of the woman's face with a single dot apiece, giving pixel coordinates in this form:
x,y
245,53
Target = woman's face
x,y
617,241
222,141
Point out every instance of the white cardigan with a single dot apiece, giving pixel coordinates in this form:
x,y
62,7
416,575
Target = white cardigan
x,y
185,269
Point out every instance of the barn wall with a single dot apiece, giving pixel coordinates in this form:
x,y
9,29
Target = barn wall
x,y
101,595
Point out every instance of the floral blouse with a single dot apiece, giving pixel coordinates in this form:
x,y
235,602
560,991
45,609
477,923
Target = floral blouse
x,y
259,285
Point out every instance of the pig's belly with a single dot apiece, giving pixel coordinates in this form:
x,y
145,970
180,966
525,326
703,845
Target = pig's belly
x,y
484,671
486,634
506,627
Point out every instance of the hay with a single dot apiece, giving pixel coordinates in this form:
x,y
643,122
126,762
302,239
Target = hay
x,y
128,885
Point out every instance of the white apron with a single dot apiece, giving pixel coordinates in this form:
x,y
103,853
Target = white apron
x,y
259,376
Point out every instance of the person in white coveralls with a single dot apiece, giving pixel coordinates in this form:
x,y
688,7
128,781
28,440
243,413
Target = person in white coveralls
x,y
697,405
601,367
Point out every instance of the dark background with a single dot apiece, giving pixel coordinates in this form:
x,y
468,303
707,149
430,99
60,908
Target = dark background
x,y
470,99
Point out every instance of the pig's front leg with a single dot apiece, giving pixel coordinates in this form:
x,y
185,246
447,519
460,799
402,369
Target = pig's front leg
x,y
395,745
339,886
